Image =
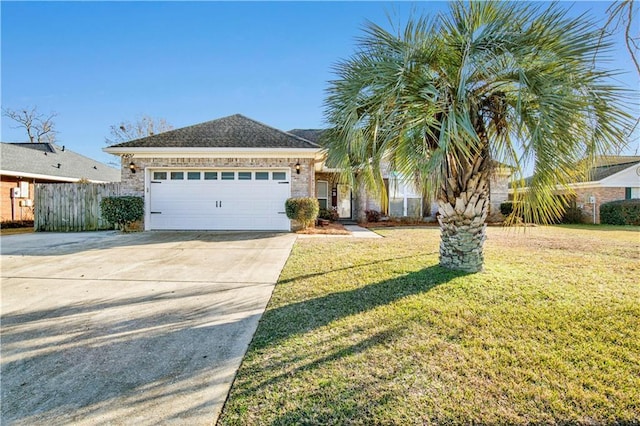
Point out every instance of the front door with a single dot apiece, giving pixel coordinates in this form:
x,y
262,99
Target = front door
x,y
344,201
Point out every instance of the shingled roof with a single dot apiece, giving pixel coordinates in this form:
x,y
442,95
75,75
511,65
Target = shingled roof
x,y
610,165
234,131
312,135
52,161
604,167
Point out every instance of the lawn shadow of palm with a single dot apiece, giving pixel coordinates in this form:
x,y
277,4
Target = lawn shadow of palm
x,y
308,315
296,319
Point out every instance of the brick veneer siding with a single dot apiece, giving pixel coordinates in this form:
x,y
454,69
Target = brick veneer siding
x,y
602,195
302,185
19,212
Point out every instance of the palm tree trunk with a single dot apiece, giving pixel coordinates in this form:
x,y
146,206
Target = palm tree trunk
x,y
462,225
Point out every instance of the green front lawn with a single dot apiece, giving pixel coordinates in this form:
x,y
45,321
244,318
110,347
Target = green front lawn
x,y
374,332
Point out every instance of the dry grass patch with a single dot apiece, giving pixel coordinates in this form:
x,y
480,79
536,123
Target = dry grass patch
x,y
374,332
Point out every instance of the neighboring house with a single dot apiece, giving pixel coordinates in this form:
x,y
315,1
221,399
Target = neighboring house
x,y
611,178
234,173
22,165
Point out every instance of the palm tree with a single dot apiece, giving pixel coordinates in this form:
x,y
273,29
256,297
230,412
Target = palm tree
x,y
444,101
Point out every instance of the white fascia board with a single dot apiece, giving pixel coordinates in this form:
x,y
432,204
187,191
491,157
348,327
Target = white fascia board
x,y
216,152
45,177
578,185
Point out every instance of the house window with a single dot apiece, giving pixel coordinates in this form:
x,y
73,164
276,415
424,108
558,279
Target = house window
x,y
177,175
228,175
193,175
210,175
404,199
244,175
322,193
262,175
631,193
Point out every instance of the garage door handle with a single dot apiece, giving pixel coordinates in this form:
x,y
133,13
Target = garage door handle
x,y
281,213
286,183
156,212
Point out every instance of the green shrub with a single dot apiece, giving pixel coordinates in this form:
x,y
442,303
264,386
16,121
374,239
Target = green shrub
x,y
506,208
621,212
122,211
327,214
304,209
573,215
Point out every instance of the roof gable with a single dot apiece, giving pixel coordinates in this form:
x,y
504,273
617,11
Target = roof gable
x,y
52,161
234,131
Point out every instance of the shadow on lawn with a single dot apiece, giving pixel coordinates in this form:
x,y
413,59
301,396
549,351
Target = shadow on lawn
x,y
308,315
304,317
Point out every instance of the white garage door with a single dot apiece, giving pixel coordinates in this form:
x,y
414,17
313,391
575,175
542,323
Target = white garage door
x,y
219,199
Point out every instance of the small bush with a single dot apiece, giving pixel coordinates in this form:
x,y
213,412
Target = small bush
x,y
506,208
372,215
326,214
573,215
304,209
122,211
621,212
12,224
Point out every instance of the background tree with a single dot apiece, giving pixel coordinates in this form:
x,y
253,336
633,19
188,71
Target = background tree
x,y
621,17
39,127
445,100
143,126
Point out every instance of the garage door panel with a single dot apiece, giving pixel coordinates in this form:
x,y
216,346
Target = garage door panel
x,y
219,204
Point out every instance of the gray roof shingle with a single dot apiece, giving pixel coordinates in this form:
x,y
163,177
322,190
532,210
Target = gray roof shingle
x,y
608,166
604,167
312,135
43,159
234,131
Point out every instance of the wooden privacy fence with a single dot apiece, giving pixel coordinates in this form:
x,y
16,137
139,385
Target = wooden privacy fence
x,y
65,207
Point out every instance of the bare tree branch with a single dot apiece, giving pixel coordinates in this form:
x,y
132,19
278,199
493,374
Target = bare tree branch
x,y
39,127
143,126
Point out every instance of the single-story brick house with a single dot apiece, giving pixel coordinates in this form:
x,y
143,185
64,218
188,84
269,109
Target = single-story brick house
x,y
22,165
235,173
611,178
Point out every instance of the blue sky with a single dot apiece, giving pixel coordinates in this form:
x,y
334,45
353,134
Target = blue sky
x,y
99,63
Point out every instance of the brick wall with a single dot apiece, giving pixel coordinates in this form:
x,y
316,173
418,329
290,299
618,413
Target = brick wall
x,y
602,195
302,185
11,209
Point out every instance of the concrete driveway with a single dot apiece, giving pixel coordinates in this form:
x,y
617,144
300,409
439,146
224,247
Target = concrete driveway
x,y
146,328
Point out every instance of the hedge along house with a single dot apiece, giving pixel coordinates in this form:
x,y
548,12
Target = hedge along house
x,y
233,173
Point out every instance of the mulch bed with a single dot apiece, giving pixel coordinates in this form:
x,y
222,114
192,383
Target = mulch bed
x,y
333,228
